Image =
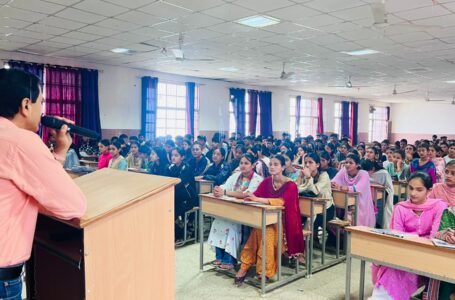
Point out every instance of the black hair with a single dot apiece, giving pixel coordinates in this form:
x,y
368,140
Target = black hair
x,y
404,141
15,85
424,145
401,152
450,163
325,155
180,151
249,157
426,179
161,153
105,142
134,138
452,145
197,145
315,157
117,145
170,143
241,148
367,165
123,136
354,157
202,137
114,139
145,149
281,159
222,151
134,143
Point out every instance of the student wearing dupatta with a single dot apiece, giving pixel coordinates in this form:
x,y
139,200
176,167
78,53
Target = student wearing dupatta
x,y
225,236
352,179
446,190
418,215
276,190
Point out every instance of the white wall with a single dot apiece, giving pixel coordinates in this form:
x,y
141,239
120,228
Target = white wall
x,y
120,97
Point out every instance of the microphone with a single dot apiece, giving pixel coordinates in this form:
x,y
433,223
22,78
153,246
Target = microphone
x,y
55,123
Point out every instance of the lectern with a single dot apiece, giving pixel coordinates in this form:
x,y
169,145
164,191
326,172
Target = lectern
x,y
122,248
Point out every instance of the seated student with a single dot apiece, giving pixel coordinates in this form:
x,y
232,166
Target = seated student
x,y
105,155
118,161
168,146
316,183
446,190
389,157
342,152
261,153
158,162
451,154
134,160
398,169
418,215
361,149
300,156
424,164
185,196
380,176
330,149
124,146
198,163
352,179
444,290
276,190
372,154
225,236
72,160
144,154
289,171
326,164
218,171
232,148
239,151
411,153
216,143
438,162
187,145
202,140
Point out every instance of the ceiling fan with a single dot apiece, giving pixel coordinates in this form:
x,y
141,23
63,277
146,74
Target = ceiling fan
x,y
378,10
180,55
348,84
285,75
427,98
394,92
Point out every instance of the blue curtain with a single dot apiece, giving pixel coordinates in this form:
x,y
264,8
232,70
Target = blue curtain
x,y
190,96
35,69
353,134
298,104
90,100
265,104
344,118
253,115
149,106
238,101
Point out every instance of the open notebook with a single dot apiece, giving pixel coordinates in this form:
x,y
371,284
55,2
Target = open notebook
x,y
443,244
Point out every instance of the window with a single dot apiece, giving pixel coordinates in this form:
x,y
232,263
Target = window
x,y
171,109
308,117
233,121
337,117
378,125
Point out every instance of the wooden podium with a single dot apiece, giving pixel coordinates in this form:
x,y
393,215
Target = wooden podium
x,y
122,248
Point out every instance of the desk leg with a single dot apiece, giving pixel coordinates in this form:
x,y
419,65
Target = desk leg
x,y
347,293
264,257
324,228
280,241
362,280
201,236
383,208
310,267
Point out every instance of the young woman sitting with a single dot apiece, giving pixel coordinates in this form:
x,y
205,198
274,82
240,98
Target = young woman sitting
x,y
398,169
418,215
158,162
424,164
118,161
289,171
198,163
218,171
225,236
277,190
105,155
134,160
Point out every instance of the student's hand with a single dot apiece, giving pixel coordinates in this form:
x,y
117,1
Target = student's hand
x,y
62,138
450,236
306,173
218,192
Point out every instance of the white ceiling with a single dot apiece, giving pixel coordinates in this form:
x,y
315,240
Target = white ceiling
x,y
309,39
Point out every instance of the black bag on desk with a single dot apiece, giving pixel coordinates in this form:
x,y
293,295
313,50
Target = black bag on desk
x,y
308,194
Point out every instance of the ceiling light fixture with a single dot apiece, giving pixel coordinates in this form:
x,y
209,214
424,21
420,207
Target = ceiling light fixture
x,y
258,21
450,81
120,50
360,52
229,69
6,65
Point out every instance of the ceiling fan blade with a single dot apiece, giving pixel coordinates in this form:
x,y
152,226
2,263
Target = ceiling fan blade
x,y
435,100
360,86
199,59
338,86
405,92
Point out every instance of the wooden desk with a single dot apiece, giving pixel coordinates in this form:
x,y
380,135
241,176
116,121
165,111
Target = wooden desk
x,y
89,163
416,255
122,248
254,215
345,200
400,188
310,207
378,192
204,186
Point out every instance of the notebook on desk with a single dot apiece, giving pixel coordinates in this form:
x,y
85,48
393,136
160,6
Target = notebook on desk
x,y
443,244
394,233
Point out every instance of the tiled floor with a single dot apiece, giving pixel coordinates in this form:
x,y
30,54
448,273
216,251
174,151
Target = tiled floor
x,y
193,284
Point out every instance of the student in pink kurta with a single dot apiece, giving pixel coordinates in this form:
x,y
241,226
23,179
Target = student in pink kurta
x,y
105,155
418,215
352,179
446,190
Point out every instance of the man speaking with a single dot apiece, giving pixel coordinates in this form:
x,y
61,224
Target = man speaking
x,y
32,178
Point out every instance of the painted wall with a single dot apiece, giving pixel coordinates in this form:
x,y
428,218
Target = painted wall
x,y
420,120
120,98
